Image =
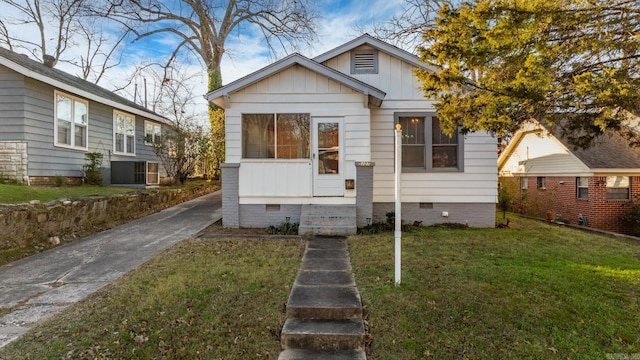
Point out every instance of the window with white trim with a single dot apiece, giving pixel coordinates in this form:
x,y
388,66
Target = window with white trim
x,y
541,182
124,129
582,185
618,187
152,133
425,147
71,121
524,183
276,136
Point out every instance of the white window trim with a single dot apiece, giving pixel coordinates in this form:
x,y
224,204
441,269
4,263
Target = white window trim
x,y
124,153
153,134
55,122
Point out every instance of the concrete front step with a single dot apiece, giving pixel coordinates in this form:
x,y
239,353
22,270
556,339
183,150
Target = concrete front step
x,y
324,302
323,334
329,220
324,278
298,354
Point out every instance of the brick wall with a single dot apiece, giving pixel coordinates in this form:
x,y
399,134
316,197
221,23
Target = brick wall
x,y
13,161
560,195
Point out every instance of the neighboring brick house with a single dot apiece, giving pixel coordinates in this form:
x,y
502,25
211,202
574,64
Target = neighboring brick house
x,y
543,172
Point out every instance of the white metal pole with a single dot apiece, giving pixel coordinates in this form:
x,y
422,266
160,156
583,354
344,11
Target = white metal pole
x,y
398,220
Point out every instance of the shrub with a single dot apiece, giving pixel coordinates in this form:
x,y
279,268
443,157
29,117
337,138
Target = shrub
x,y
92,168
285,228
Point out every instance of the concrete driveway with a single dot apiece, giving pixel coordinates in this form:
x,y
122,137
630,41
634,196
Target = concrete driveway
x,y
37,287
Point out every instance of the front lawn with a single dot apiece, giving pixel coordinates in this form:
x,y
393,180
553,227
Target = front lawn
x,y
15,194
201,299
532,291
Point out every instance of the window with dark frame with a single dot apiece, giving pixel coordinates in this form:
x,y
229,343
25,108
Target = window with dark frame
x,y
425,147
276,136
618,188
541,182
582,185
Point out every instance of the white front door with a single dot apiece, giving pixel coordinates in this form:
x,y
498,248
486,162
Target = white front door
x,y
327,156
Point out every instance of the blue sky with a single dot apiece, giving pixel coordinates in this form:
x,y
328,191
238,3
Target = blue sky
x,y
337,23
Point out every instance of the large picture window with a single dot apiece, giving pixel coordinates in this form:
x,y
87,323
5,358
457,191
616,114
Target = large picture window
x,y
618,187
124,133
275,136
425,147
71,121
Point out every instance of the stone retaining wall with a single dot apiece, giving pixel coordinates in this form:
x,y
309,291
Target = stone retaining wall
x,y
43,225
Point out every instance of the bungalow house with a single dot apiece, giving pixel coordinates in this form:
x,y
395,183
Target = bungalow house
x,y
49,119
591,186
312,141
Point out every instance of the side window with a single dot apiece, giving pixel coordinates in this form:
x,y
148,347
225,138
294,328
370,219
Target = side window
x,y
582,185
425,147
541,182
71,121
124,130
152,133
618,187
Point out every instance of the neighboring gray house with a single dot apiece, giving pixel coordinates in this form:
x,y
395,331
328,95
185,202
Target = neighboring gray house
x,y
49,119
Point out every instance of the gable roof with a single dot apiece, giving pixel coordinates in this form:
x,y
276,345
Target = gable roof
x,y
375,95
609,151
367,39
73,84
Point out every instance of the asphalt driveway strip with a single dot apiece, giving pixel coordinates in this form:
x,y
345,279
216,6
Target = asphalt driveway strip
x,y
41,285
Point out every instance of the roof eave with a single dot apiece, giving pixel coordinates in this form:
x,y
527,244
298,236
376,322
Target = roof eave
x,y
79,92
217,96
378,44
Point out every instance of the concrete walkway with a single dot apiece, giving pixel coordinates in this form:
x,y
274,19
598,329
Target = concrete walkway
x,y
324,311
39,286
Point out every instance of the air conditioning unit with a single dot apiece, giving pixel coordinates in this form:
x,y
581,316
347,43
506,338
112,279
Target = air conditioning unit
x,y
146,173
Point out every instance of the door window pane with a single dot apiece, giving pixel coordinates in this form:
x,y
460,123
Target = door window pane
x,y
328,148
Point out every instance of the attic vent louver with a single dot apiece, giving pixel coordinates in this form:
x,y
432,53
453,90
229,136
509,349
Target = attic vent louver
x,y
364,61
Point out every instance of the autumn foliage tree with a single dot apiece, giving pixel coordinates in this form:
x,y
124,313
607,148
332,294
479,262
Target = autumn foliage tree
x,y
572,63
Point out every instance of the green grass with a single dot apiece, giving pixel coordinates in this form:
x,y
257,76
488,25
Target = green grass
x,y
199,300
14,194
532,291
